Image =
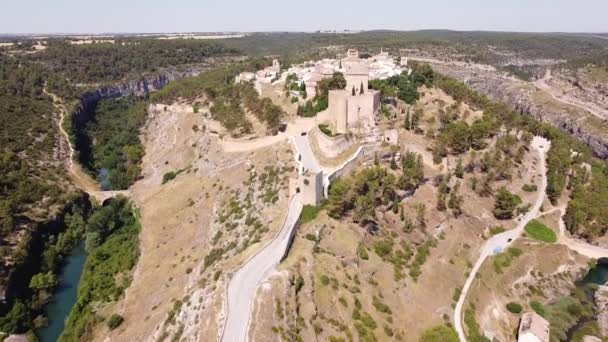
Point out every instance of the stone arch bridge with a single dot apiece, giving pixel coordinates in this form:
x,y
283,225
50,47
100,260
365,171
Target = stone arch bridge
x,y
103,196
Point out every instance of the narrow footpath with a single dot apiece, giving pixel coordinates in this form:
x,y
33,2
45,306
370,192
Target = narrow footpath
x,y
82,180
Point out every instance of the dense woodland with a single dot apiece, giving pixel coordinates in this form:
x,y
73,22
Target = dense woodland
x,y
126,58
32,183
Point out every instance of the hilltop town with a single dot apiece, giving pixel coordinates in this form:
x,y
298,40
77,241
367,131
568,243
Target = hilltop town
x,y
224,189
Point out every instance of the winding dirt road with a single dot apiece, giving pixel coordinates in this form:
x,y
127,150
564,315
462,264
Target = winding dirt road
x,y
500,242
557,95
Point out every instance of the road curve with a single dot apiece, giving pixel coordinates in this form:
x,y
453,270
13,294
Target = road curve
x,y
245,282
243,285
581,247
566,99
501,241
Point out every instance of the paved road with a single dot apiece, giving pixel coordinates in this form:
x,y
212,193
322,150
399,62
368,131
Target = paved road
x,y
307,158
245,282
500,242
243,285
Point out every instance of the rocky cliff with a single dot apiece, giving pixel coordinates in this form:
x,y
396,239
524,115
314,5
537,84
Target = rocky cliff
x,y
525,98
144,86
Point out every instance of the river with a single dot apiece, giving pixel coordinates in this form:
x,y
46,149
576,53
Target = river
x,y
65,295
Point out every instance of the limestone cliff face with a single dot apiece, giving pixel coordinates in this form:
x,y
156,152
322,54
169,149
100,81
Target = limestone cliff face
x,y
520,96
146,85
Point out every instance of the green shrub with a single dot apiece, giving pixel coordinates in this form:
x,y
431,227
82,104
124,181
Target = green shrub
x,y
539,231
514,307
325,129
169,176
115,321
529,187
309,213
440,333
497,230
363,252
324,280
538,307
311,237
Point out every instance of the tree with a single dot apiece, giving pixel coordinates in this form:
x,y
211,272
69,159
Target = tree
x,y
416,119
459,170
353,91
407,125
395,206
505,204
338,203
43,281
17,320
420,213
455,201
115,321
442,193
363,208
361,89
457,137
407,91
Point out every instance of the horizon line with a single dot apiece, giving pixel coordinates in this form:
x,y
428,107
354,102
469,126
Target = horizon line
x,y
327,31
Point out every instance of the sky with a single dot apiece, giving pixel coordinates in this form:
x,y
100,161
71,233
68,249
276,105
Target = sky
x,y
77,16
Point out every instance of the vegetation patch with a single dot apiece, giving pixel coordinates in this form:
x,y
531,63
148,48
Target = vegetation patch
x,y
537,230
503,260
514,307
441,333
309,213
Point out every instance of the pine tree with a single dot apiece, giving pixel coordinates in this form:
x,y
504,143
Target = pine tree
x,y
395,204
455,201
361,89
354,92
415,119
408,124
459,171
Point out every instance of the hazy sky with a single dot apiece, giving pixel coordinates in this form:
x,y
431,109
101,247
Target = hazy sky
x,y
77,16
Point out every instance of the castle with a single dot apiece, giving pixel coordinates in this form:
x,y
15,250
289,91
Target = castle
x,y
354,108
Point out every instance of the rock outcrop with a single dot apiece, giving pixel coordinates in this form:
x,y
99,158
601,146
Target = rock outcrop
x,y
523,97
601,304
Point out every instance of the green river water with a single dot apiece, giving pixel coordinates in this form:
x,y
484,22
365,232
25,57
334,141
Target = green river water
x,y
65,296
